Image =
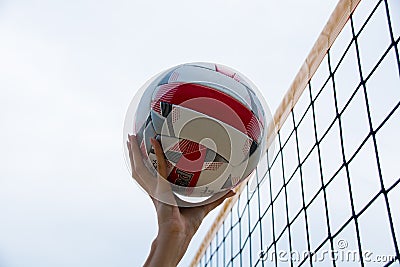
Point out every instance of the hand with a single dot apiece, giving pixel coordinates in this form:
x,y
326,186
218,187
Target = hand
x,y
176,225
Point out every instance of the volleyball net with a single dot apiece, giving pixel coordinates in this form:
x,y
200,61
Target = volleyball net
x,y
330,195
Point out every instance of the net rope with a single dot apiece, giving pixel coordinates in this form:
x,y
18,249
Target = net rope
x,y
331,192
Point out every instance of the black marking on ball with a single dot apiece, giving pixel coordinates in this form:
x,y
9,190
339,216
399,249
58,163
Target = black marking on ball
x,y
184,178
253,148
166,109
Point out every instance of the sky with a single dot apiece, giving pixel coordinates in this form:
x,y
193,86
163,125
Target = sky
x,y
69,70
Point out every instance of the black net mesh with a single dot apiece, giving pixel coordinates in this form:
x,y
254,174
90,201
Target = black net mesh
x,y
330,196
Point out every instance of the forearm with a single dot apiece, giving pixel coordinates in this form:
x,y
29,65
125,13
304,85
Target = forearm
x,y
167,249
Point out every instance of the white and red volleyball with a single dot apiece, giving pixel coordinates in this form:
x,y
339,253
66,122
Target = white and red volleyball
x,y
211,123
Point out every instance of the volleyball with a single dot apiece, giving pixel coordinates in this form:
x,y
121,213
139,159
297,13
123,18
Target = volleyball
x,y
210,121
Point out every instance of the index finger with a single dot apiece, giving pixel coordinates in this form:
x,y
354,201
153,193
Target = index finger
x,y
139,171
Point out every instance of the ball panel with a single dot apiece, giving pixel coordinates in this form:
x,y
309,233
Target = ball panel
x,y
193,74
195,126
205,65
226,91
225,70
183,178
166,76
188,167
211,102
145,100
251,98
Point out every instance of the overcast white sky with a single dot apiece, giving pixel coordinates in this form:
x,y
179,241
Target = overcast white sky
x,y
68,71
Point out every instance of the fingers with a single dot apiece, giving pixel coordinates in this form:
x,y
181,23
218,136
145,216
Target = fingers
x,y
137,156
130,154
139,170
159,189
134,174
